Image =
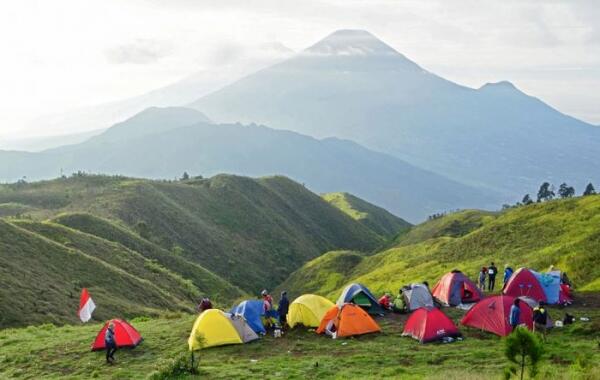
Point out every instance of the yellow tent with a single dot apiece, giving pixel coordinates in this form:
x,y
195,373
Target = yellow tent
x,y
308,310
215,328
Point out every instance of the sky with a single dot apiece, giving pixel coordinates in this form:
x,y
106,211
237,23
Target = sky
x,y
60,55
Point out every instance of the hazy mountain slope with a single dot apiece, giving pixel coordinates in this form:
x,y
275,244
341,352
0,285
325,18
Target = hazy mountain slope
x,y
563,233
41,280
160,143
351,85
376,218
251,232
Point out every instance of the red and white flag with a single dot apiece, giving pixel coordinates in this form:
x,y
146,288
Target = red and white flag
x,y
86,306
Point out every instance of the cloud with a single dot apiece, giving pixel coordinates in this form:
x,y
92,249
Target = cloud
x,y
139,51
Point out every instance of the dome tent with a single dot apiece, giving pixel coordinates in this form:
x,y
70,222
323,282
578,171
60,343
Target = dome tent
x,y
308,310
348,320
455,288
216,328
125,335
492,314
360,295
429,325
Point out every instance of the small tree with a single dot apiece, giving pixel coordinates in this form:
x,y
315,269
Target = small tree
x,y
566,191
527,200
185,176
545,193
523,348
589,190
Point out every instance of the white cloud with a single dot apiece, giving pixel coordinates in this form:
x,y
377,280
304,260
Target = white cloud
x,y
139,51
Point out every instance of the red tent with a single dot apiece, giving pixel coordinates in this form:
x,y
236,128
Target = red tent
x,y
428,325
523,283
455,288
125,335
492,313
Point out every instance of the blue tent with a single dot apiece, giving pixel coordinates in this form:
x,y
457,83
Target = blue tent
x,y
253,311
550,282
361,296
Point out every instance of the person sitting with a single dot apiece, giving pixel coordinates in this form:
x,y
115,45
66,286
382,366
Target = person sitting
x,y
386,302
399,305
540,320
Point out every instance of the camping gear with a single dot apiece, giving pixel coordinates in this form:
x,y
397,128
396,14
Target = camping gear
x,y
492,314
348,320
308,310
360,295
86,306
125,335
217,328
253,311
417,296
429,325
544,287
455,288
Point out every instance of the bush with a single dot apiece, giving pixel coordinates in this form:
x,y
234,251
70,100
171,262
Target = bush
x,y
523,348
179,366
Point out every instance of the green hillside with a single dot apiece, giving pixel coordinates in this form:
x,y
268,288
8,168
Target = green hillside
x,y
375,218
563,233
251,232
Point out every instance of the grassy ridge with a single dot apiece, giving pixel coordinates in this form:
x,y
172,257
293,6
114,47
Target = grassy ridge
x,y
375,218
563,233
251,232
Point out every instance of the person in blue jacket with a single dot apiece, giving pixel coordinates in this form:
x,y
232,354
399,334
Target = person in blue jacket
x,y
508,271
514,318
110,343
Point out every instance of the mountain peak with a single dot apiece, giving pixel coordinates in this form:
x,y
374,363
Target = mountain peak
x,y
504,85
351,42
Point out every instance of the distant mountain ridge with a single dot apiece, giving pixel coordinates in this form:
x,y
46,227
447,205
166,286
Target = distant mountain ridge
x,y
165,142
352,85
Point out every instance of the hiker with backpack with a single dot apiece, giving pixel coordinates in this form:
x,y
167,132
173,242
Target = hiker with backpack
x,y
492,272
386,302
514,317
110,343
540,320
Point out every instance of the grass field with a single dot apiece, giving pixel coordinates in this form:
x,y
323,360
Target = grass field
x,y
63,352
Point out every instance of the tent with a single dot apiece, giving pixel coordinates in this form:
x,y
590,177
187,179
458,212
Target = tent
x,y
544,287
217,328
416,296
455,288
360,295
349,319
429,324
308,310
492,314
125,335
253,311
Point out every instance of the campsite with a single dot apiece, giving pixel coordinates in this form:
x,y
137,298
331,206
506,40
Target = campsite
x,y
323,189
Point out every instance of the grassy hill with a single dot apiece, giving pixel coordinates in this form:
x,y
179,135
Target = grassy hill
x,y
51,352
162,243
563,233
375,218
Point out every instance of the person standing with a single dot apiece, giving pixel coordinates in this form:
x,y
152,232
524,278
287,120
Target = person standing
x,y
204,304
514,317
508,271
283,308
492,272
110,343
540,320
482,276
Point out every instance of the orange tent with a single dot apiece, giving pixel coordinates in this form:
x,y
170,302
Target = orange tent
x,y
348,319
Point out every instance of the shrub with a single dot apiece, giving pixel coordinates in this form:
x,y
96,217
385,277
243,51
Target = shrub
x,y
523,348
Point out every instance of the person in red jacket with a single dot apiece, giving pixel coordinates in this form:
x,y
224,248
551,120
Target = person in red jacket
x,y
386,301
